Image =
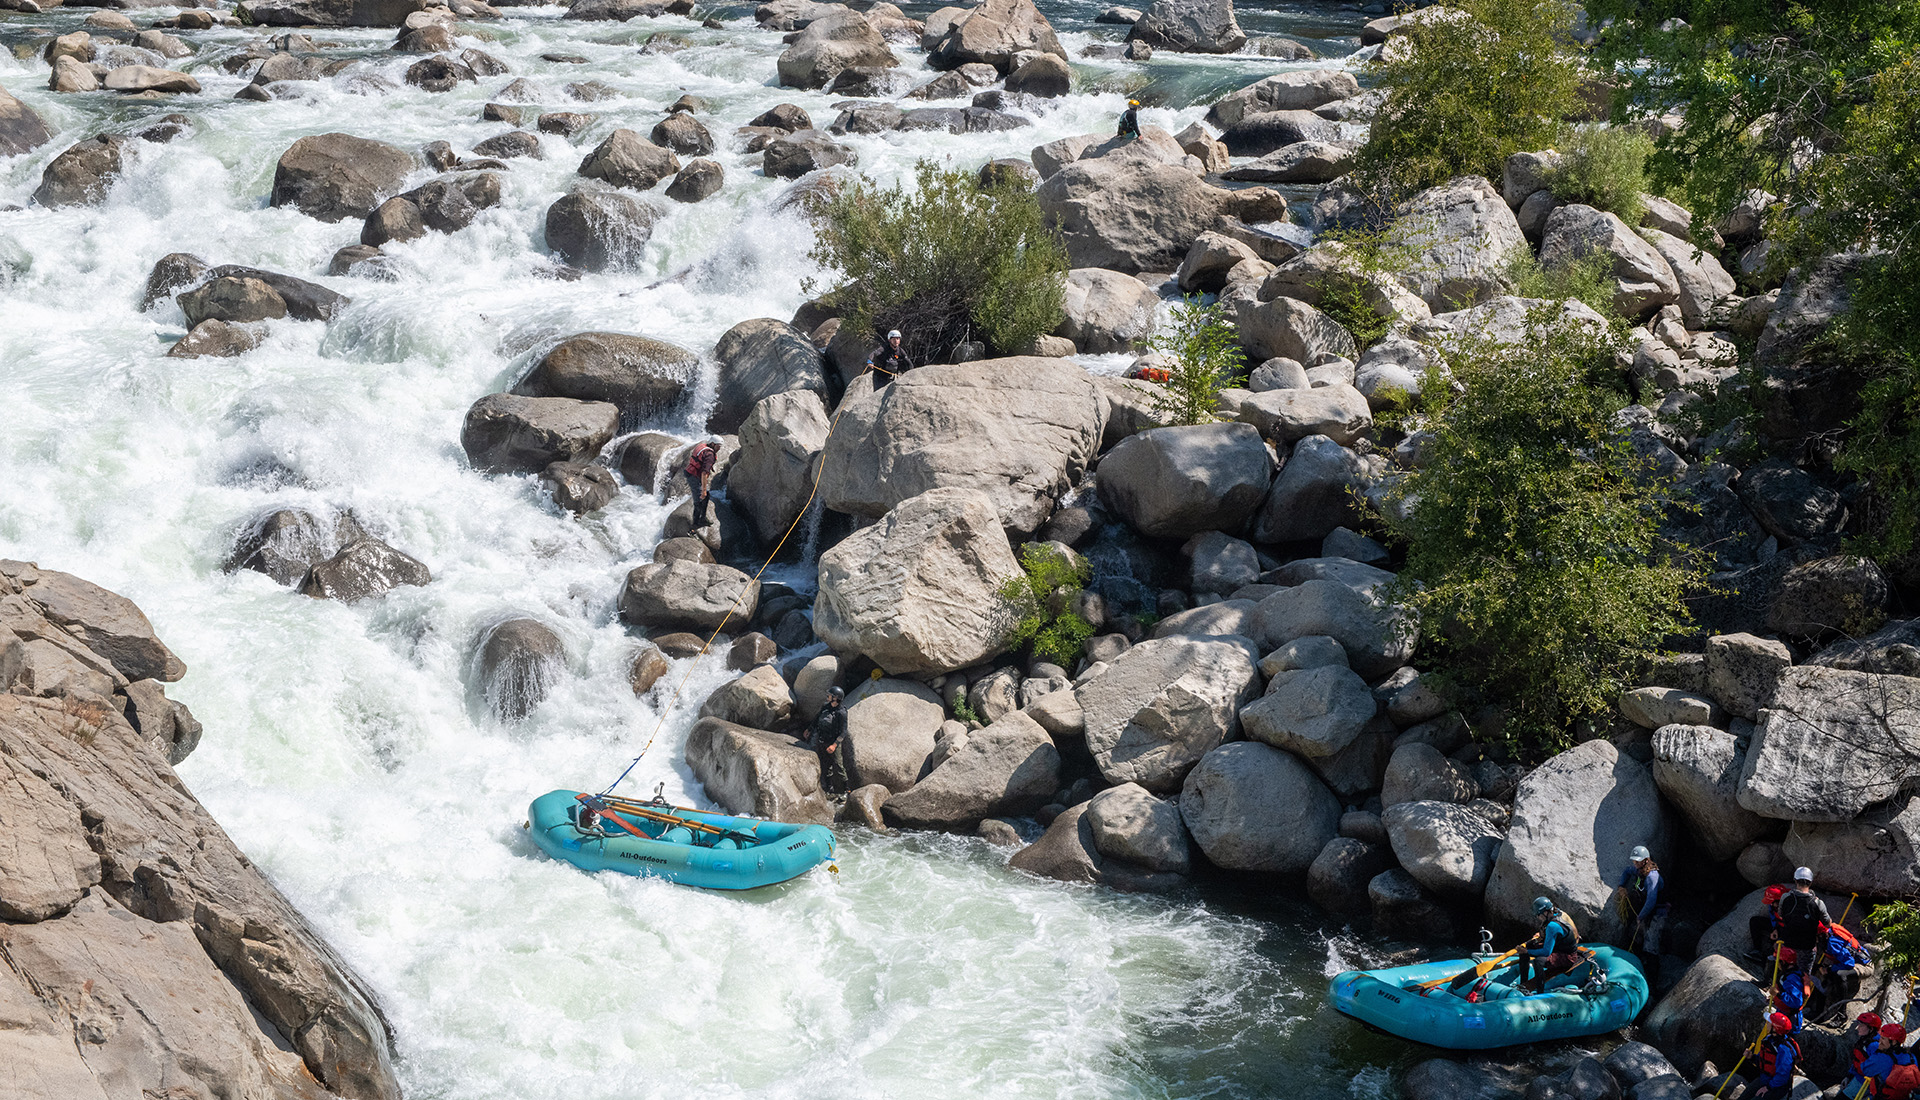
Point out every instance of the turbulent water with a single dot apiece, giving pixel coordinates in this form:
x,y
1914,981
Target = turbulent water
x,y
346,748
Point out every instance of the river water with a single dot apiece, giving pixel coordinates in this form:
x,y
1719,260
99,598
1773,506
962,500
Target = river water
x,y
346,748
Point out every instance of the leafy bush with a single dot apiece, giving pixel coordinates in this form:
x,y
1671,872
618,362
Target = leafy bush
x,y
1205,348
1605,168
1038,600
1898,924
1349,294
1534,562
944,261
1471,91
1587,279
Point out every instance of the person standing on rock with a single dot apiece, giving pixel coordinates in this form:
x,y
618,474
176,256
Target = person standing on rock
x,y
1803,916
1642,895
1130,120
699,474
829,726
1550,953
889,362
1778,1055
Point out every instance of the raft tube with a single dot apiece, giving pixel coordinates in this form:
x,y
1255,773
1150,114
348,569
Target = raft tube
x,y
1576,1004
749,853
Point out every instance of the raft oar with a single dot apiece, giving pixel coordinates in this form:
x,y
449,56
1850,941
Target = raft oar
x,y
1479,969
640,810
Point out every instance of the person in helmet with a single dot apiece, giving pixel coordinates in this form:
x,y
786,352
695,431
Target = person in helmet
x,y
1803,916
1641,892
1130,120
1764,927
824,736
889,362
1553,951
1890,1071
1790,989
1863,1043
1779,1052
698,475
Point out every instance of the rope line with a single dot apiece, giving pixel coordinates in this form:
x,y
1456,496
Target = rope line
x,y
777,547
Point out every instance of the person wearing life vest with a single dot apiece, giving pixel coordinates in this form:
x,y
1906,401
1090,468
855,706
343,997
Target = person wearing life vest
x,y
1553,951
1764,927
824,737
1778,1054
1864,1043
1791,989
1642,890
1130,120
699,474
889,362
1803,916
1890,1072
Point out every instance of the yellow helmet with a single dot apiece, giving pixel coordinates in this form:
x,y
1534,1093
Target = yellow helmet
x,y
1133,103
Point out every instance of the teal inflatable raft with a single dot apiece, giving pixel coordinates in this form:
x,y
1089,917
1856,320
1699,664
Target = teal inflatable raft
x,y
692,847
1601,995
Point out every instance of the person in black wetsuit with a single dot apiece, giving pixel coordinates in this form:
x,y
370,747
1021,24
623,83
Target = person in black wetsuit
x,y
1130,120
889,362
829,726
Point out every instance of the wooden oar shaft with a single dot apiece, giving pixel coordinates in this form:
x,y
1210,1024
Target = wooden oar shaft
x,y
640,809
1476,969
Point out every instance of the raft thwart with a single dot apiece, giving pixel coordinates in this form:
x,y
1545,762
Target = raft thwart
x,y
1600,995
693,847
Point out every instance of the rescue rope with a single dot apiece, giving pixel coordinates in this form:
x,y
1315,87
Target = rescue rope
x,y
724,619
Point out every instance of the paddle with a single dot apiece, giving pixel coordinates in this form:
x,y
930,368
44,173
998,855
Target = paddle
x,y
640,809
1479,969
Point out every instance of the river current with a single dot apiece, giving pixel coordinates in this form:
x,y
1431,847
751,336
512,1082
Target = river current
x,y
347,750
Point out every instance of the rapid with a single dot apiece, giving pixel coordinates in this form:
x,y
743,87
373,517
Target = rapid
x,y
347,749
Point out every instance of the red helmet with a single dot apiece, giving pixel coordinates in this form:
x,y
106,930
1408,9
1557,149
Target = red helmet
x,y
1872,1020
1771,894
1788,956
1780,1022
1894,1032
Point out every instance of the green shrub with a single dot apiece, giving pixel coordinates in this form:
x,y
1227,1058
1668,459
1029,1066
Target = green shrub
x,y
1897,924
1471,92
1586,279
1205,349
1605,168
1349,293
1534,563
944,261
1037,600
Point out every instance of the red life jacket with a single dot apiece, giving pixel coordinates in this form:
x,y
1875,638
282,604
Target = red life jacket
x,y
1902,1079
700,460
1770,1053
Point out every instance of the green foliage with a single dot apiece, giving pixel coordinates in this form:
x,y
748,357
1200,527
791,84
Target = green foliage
x,y
1471,92
1533,562
1205,348
944,261
1898,924
1605,168
1038,600
1587,279
1349,293
964,711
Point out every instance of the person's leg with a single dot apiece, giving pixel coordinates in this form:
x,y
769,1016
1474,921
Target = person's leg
x,y
699,505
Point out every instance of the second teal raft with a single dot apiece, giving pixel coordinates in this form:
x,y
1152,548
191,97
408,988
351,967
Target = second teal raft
x,y
749,853
1570,1007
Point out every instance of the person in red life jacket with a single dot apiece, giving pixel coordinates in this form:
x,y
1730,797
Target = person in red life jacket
x,y
1553,951
1791,989
1764,927
1890,1072
1836,971
1865,1043
1803,916
699,474
1778,1054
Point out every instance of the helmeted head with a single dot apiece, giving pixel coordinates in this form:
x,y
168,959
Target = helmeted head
x,y
893,336
1894,1033
1772,894
1542,906
1781,1025
836,694
1133,103
1802,876
1789,957
1869,1023
1639,854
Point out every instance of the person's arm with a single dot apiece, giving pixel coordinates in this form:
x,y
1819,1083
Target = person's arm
x,y
1654,883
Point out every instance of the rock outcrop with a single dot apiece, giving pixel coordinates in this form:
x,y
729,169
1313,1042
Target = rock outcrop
x,y
751,771
1161,706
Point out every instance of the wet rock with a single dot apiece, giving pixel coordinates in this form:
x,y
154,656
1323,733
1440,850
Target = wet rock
x,y
697,180
625,159
1404,909
564,123
286,542
81,175
646,669
642,376
772,480
71,75
599,230
363,568
482,63
802,152
683,134
439,74
580,487
1176,482
518,663
1130,824
828,45
916,592
892,727
1446,847
1337,880
217,339
751,771
360,259
1162,705
1065,851
1444,1079
333,177
784,116
1251,807
686,595
232,299
507,146
760,358
1008,768
146,78
432,38
508,434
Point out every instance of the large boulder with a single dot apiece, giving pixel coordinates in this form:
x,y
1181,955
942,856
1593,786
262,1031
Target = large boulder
x,y
1157,709
1698,769
1191,26
1008,768
81,175
599,230
625,159
771,478
334,177
1179,481
517,665
1741,670
286,542
1704,287
107,623
1419,772
759,358
892,727
1830,743
804,151
1251,807
232,299
1575,818
1267,132
1066,851
643,377
759,699
1460,236
1378,636
1301,90
21,128
1844,594
1876,854
990,33
1642,280
751,771
364,568
687,595
831,45
1021,430
1311,712
1310,161
1106,311
1130,211
1314,494
1404,909
919,590
1448,848
1337,880
1287,328
508,434
1710,1016
1335,411
1130,824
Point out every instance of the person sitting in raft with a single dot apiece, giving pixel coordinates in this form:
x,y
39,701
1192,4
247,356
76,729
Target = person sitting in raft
x,y
1130,120
1778,1054
1553,951
1864,1038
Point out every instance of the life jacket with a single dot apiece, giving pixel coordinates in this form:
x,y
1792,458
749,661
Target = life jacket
x,y
1571,941
1799,918
1770,1053
700,460
1783,998
1902,1079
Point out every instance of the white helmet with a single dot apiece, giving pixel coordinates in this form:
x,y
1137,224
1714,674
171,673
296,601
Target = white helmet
x,y
893,334
1639,854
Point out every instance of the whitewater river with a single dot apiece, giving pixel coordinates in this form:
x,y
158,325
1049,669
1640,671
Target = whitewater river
x,y
345,747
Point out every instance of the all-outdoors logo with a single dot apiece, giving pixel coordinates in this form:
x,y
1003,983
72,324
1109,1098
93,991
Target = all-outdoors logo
x,y
643,859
